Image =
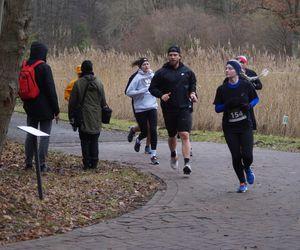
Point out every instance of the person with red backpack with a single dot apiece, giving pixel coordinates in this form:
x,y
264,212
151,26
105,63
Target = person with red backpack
x,y
42,108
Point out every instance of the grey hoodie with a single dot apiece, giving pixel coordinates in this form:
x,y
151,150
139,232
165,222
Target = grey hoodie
x,y
138,90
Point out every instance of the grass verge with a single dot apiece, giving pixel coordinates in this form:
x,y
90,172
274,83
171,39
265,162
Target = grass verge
x,y
273,142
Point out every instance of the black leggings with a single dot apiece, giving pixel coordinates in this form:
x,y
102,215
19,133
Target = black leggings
x,y
142,119
241,148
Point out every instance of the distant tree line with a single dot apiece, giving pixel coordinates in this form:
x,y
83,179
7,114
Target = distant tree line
x,y
138,25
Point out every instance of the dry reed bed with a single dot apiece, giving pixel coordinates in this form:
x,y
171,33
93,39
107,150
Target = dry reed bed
x,y
279,96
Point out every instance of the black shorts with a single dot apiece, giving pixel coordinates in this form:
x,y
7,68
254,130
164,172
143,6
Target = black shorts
x,y
178,121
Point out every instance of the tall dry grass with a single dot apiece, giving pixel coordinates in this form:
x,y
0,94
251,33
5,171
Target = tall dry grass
x,y
280,94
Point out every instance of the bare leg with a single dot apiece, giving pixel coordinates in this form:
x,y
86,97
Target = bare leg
x,y
172,143
186,144
136,129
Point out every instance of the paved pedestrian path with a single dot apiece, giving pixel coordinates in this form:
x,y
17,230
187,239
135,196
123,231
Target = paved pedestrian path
x,y
199,212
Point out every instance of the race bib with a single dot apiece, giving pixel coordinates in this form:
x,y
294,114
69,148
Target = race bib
x,y
236,115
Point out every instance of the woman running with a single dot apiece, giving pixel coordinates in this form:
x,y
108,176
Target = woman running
x,y
145,105
134,129
235,97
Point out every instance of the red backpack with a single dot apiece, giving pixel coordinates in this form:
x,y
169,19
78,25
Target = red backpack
x,y
28,86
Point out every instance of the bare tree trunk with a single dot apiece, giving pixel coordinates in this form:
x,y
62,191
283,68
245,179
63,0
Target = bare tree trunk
x,y
15,20
1,13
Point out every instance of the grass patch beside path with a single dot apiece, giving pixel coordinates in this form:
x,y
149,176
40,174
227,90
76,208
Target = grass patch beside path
x,y
263,141
72,197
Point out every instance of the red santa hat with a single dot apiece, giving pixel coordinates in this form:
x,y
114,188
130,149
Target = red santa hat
x,y
242,59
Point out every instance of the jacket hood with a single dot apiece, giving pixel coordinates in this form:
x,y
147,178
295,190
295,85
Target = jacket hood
x,y
38,51
92,81
145,73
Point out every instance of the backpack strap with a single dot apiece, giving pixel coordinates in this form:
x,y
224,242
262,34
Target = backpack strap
x,y
33,65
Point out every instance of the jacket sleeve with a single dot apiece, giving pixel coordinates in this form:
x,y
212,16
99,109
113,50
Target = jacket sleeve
x,y
257,84
218,102
73,101
253,97
133,90
154,86
103,99
193,81
129,80
50,90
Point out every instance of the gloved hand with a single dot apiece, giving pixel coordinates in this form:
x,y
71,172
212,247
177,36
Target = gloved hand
x,y
245,107
244,104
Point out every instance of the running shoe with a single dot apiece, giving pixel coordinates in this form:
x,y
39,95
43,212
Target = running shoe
x,y
131,134
187,170
250,175
137,145
174,162
147,150
242,188
154,160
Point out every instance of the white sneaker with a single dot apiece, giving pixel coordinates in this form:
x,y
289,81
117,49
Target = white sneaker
x,y
174,162
187,170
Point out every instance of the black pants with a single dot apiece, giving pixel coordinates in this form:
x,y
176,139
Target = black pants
x,y
142,119
45,126
241,148
89,149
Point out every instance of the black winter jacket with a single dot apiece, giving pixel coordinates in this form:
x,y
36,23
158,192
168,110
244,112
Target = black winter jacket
x,y
257,83
180,82
45,106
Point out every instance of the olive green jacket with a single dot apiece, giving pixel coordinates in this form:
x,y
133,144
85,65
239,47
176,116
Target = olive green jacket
x,y
92,105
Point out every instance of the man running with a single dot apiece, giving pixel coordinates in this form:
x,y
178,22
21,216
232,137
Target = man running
x,y
175,85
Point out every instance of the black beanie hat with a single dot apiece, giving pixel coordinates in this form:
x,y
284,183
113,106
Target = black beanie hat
x,y
236,65
142,60
87,67
174,48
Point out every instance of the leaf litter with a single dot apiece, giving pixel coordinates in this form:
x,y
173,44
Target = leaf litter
x,y
72,197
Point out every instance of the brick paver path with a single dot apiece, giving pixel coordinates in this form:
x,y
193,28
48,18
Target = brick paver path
x,y
199,212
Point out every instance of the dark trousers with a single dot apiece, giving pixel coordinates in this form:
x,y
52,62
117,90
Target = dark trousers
x,y
45,126
241,148
143,118
89,149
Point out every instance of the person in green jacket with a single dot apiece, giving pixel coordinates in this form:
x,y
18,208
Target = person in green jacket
x,y
89,130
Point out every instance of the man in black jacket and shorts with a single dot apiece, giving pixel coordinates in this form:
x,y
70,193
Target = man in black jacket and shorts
x,y
175,85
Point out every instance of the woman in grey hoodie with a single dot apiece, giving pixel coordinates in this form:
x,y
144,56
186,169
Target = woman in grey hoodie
x,y
145,105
